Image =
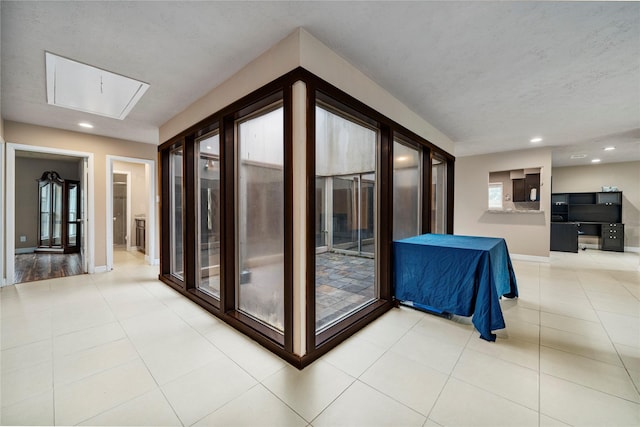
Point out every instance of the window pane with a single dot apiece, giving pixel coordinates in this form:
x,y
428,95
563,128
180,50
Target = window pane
x,y
57,215
209,214
495,195
406,191
260,293
177,261
346,207
439,196
45,205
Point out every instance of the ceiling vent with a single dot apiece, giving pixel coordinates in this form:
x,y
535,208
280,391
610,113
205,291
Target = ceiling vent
x,y
81,87
578,156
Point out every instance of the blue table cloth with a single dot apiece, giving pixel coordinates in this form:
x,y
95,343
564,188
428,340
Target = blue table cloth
x,y
461,275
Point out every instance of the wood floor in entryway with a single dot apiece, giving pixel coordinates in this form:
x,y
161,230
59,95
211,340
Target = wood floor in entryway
x,y
32,267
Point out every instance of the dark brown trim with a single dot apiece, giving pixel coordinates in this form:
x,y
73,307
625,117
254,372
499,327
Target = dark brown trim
x,y
228,217
190,213
450,193
330,338
287,98
427,191
310,288
384,206
225,119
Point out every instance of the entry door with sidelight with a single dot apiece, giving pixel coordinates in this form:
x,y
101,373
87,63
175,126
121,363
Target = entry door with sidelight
x,y
59,225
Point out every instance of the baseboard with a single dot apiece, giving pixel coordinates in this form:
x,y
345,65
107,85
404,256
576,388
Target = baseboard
x,y
532,258
634,249
25,250
100,269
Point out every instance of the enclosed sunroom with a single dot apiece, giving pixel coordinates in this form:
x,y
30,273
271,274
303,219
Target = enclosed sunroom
x,y
279,206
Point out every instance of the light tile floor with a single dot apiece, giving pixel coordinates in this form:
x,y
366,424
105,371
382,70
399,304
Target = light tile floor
x,y
121,348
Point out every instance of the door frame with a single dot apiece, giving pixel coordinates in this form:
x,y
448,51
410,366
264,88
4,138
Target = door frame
x,y
150,174
127,207
2,221
89,235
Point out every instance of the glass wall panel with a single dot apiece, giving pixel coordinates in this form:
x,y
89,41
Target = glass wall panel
x,y
209,214
346,194
72,215
45,214
260,217
439,196
321,219
57,215
407,177
176,215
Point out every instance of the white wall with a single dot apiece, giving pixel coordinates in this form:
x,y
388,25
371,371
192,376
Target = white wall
x,y
301,49
625,176
100,147
526,233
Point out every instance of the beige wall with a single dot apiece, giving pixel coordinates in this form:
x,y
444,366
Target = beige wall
x,y
28,171
525,233
302,49
625,176
21,133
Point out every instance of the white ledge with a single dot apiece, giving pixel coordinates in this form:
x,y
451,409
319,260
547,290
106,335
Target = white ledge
x,y
514,211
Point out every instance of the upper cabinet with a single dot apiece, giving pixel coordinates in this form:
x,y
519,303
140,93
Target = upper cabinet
x,y
602,207
610,198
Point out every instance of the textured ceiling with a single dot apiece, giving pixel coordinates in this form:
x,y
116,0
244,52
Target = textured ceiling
x,y
490,75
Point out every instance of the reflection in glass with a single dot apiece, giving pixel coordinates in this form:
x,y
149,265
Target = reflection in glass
x,y
321,219
56,236
45,212
346,209
407,177
209,214
176,177
438,196
72,215
260,217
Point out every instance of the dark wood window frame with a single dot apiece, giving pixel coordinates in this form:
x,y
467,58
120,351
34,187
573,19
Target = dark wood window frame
x,y
224,121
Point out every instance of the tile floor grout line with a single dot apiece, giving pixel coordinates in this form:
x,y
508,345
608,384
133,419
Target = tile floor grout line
x,y
624,365
539,345
158,387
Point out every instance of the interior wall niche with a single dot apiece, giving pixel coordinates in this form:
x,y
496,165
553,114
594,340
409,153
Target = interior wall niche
x,y
515,190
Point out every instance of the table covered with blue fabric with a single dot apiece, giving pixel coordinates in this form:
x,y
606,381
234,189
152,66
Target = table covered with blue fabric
x,y
461,275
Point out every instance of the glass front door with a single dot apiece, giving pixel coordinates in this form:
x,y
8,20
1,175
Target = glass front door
x,y
74,222
59,204
352,213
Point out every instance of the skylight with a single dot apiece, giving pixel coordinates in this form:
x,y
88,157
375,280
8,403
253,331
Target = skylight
x,y
82,87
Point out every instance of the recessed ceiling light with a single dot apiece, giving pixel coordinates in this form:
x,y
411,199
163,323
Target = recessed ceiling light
x,y
536,139
402,158
208,147
85,125
609,148
595,160
578,156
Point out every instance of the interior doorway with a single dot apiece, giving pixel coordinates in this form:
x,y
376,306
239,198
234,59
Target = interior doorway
x,y
121,209
60,232
130,212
